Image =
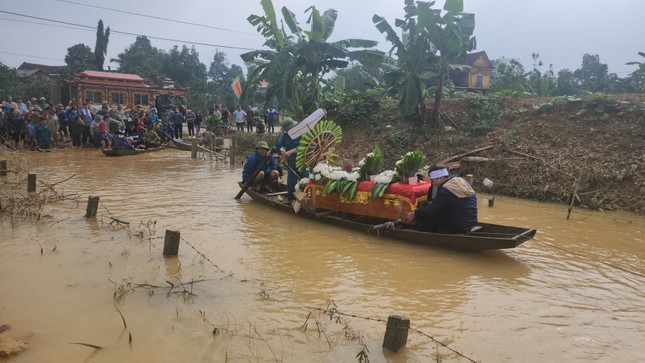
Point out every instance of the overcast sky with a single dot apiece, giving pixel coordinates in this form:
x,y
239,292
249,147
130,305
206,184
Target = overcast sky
x,y
561,31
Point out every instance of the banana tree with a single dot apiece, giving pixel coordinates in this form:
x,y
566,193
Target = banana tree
x,y
297,61
406,74
451,36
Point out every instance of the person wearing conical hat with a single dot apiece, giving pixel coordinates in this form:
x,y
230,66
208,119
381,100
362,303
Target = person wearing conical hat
x,y
290,147
265,179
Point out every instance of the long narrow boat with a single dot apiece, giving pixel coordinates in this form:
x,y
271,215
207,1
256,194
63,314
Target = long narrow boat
x,y
123,152
483,237
188,146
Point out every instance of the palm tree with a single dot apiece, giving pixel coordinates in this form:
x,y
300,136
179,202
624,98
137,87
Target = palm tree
x,y
452,37
296,62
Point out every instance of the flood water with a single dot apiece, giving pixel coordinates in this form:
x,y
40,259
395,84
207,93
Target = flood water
x,y
262,279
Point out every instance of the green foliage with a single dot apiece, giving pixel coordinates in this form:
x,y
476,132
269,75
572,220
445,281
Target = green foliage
x,y
220,76
143,59
508,76
410,163
352,107
372,163
363,355
100,49
79,58
484,116
402,138
297,62
593,76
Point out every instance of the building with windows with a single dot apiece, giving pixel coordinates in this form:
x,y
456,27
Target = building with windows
x,y
128,90
477,76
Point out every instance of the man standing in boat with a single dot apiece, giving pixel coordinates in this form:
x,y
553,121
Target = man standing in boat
x,y
452,210
266,177
290,147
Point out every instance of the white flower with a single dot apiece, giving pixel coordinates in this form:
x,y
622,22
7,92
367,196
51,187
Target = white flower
x,y
317,177
320,167
385,177
337,174
302,182
362,162
353,177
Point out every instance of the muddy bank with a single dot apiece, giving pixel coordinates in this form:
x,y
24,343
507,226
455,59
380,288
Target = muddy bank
x,y
537,150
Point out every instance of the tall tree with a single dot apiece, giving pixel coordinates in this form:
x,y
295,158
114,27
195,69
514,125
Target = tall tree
x,y
594,76
100,49
451,35
78,59
636,80
143,59
221,74
508,76
413,56
296,62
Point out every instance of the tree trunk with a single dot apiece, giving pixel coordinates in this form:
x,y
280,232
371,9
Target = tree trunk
x,y
434,118
421,107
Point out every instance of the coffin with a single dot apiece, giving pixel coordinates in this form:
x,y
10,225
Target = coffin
x,y
397,200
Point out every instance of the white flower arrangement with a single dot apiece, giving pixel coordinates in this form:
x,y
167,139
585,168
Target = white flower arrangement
x,y
382,182
301,183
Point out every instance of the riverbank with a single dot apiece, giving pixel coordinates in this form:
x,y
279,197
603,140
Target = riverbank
x,y
541,149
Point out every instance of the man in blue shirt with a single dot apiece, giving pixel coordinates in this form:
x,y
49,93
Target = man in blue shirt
x,y
268,175
452,210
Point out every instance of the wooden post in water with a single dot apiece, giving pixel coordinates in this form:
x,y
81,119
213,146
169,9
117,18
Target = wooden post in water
x,y
171,243
92,207
470,178
491,202
193,150
3,167
31,182
232,151
396,333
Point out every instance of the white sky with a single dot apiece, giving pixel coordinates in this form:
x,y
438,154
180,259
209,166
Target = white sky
x,y
561,31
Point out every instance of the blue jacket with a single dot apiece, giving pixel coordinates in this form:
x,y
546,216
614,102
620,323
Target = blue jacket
x,y
448,212
253,163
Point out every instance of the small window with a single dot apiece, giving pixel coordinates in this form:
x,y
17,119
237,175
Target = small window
x,y
94,96
118,98
479,80
141,99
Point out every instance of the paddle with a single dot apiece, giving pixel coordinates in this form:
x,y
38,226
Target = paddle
x,y
255,173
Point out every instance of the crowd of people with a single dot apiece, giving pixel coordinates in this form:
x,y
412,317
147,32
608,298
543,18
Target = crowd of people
x,y
39,125
246,119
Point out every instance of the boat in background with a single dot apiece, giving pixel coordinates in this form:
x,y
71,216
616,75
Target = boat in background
x,y
124,152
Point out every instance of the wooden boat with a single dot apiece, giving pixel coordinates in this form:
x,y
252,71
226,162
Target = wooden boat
x,y
123,152
187,145
483,237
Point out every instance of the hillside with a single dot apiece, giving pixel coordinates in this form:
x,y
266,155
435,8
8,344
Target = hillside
x,y
532,152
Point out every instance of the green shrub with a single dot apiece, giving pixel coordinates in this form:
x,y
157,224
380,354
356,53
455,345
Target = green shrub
x,y
483,117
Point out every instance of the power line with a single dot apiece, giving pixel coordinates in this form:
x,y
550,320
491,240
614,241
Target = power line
x,y
128,33
155,17
31,56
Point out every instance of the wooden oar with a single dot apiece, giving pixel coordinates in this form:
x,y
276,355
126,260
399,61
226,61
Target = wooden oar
x,y
255,173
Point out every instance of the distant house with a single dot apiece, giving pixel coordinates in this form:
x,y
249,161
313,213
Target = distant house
x,y
477,78
128,90
49,75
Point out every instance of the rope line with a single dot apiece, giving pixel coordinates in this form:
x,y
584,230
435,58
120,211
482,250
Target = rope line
x,y
202,254
385,321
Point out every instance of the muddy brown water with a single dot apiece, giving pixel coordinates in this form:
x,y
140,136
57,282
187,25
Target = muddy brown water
x,y
574,293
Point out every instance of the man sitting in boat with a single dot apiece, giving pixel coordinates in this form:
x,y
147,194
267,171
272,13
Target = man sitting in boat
x,y
121,141
268,175
151,139
452,210
208,139
161,133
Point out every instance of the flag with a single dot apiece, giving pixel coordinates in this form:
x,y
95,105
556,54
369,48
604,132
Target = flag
x,y
237,87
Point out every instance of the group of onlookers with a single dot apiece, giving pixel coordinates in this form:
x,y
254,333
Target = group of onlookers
x,y
245,118
37,124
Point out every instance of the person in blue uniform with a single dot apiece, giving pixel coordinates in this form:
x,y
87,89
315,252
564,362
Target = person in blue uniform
x,y
268,175
452,210
290,147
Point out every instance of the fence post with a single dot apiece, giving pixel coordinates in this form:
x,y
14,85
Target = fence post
x,y
31,182
193,149
92,207
171,243
3,167
232,151
491,202
396,333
